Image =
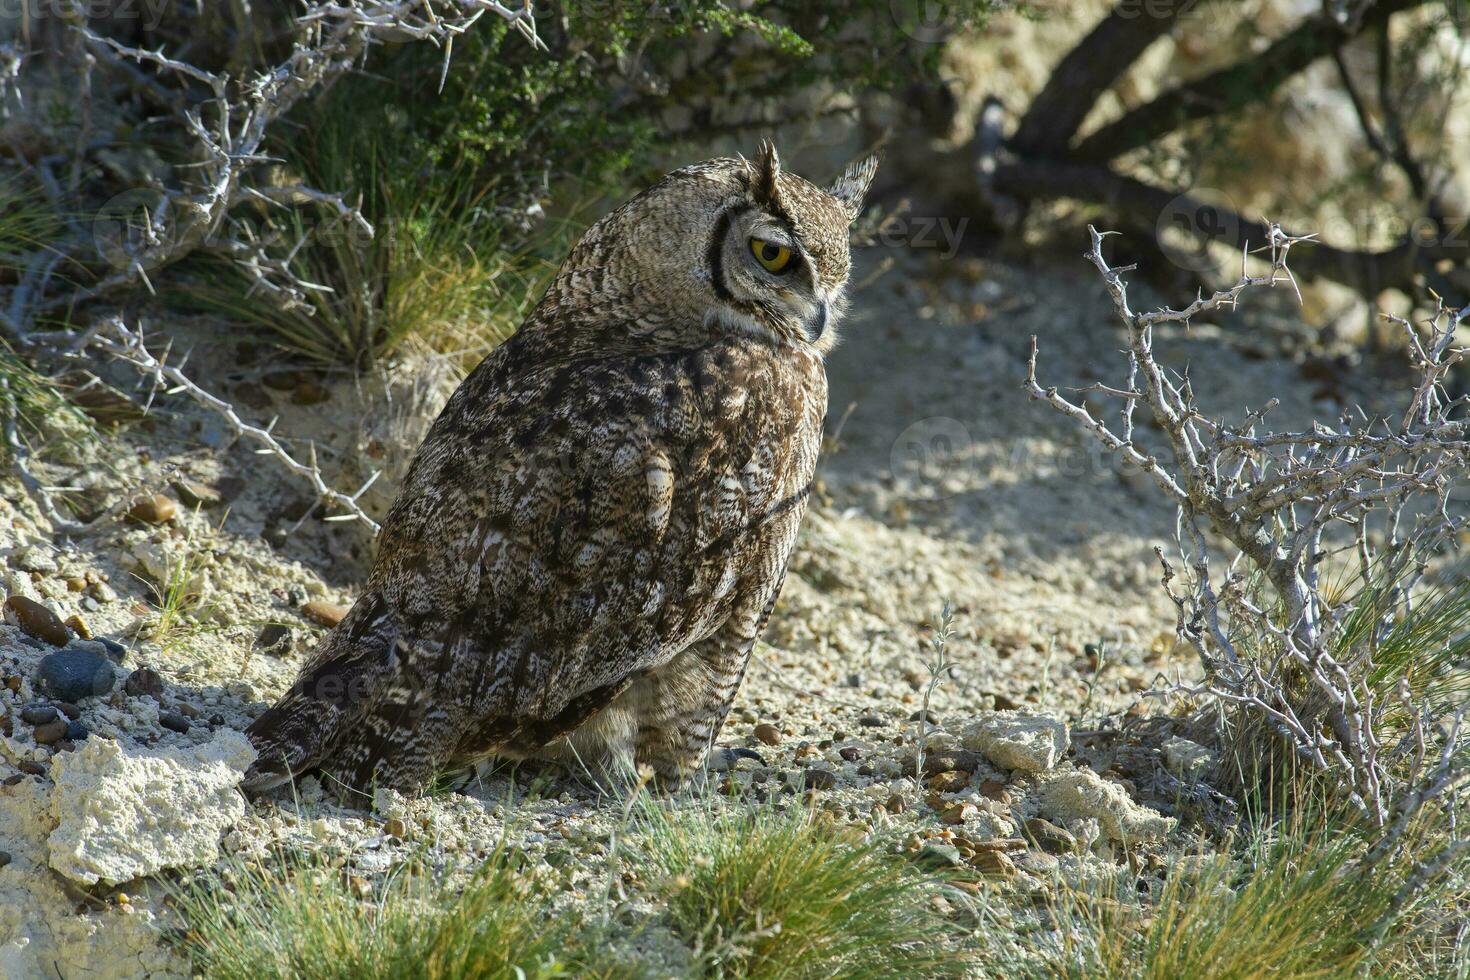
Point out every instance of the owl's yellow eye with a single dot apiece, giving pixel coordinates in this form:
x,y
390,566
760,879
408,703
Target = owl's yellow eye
x,y
774,258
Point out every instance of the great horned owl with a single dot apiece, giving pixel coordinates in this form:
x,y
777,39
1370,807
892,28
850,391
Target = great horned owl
x,y
595,529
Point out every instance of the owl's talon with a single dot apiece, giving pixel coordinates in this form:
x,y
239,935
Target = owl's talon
x,y
723,758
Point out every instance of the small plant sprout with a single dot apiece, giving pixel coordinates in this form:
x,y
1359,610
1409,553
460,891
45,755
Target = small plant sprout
x,y
939,666
1100,654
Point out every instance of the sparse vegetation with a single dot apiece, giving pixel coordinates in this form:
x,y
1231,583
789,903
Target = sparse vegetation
x,y
292,918
1297,897
762,893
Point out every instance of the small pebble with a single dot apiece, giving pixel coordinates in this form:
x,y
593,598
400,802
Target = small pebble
x,y
994,789
77,732
173,721
275,639
325,613
4,858
1049,837
78,625
896,804
38,714
996,863
1037,863
196,494
31,768
935,763
36,620
73,674
70,710
958,814
14,779
154,509
50,732
115,650
768,734
927,717
820,779
144,681
188,710
850,753
949,782
870,721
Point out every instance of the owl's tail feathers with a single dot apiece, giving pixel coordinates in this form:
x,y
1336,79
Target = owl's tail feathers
x,y
337,687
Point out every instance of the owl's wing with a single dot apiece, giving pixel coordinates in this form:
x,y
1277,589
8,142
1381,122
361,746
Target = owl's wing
x,y
554,537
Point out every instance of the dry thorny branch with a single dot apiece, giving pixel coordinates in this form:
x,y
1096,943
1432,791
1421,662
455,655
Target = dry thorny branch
x,y
113,336
1296,507
229,121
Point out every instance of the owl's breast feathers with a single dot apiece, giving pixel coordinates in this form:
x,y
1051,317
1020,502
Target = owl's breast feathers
x,y
568,523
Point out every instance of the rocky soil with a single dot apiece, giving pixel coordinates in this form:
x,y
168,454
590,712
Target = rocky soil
x,y
135,651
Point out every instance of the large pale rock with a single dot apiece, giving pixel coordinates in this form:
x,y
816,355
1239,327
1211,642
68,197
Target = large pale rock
x,y
1012,740
1082,794
125,813
41,927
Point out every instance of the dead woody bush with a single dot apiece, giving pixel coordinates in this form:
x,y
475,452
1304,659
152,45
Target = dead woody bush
x,y
229,121
1286,647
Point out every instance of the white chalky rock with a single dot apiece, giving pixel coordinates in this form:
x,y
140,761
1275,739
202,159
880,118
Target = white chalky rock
x,y
125,813
1082,794
1011,740
1186,758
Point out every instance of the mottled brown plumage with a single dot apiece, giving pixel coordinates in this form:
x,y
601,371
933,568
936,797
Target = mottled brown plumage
x,y
594,531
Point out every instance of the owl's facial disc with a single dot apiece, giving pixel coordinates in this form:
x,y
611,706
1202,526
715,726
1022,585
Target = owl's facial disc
x,y
765,279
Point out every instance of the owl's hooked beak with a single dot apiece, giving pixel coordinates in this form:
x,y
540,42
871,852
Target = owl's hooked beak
x,y
816,323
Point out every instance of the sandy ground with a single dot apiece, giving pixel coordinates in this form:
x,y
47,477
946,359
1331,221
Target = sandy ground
x,y
942,484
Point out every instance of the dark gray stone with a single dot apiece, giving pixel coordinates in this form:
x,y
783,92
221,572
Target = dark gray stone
x,y
37,714
144,681
173,721
73,674
276,639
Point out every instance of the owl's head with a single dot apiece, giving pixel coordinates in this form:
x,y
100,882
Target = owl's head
x,y
777,257
728,244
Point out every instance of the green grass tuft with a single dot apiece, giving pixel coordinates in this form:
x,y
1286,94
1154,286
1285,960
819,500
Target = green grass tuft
x,y
1295,899
769,894
294,919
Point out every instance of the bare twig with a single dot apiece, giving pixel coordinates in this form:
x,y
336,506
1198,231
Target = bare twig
x,y
114,337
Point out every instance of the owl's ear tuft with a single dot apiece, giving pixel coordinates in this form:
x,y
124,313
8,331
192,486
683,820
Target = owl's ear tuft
x,y
765,171
852,186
